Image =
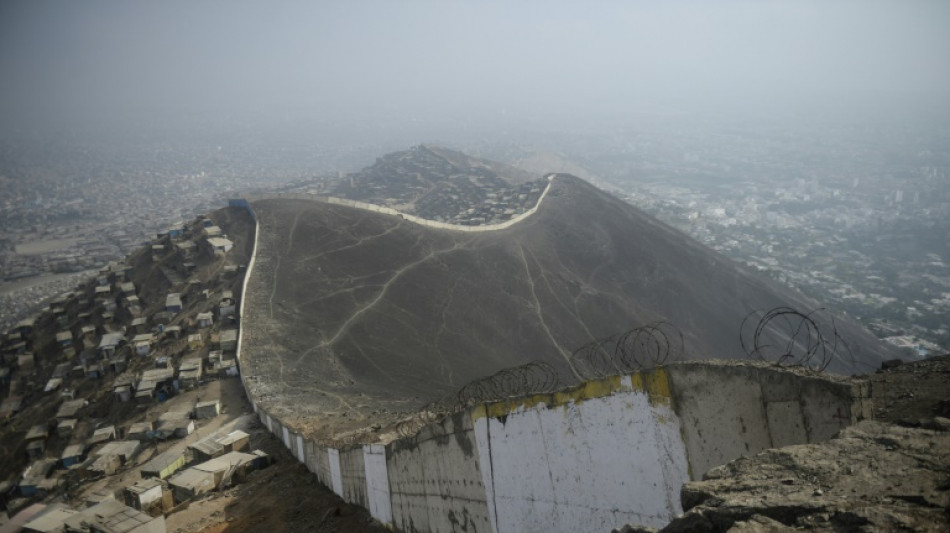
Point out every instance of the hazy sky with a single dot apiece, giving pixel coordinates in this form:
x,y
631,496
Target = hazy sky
x,y
130,60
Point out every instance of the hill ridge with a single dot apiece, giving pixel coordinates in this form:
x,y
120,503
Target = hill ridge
x,y
414,313
407,216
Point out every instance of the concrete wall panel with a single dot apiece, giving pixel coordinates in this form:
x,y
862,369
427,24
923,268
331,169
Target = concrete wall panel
x,y
301,456
323,466
829,407
786,423
310,457
435,480
580,463
731,410
353,474
336,476
723,414
377,483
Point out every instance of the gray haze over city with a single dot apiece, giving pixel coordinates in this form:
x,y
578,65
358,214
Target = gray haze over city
x,y
808,140
121,62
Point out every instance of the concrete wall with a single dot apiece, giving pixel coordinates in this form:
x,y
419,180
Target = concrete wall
x,y
353,474
301,453
323,466
377,483
595,458
590,458
729,410
412,218
336,474
435,479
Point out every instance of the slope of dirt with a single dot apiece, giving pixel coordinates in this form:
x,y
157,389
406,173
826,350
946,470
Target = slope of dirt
x,y
353,316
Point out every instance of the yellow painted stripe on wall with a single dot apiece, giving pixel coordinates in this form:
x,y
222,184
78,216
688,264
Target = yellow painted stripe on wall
x,y
655,383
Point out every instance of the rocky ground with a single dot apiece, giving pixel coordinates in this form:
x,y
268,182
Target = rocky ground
x,y
888,474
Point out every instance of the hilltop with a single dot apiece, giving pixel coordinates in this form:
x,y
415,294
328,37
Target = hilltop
x,y
359,317
444,185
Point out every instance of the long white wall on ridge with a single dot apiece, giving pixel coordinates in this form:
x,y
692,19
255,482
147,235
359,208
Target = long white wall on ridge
x,y
411,218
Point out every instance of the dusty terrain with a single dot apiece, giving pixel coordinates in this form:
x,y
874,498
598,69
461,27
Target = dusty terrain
x,y
355,318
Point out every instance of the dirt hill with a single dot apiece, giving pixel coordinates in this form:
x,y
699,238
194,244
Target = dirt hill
x,y
356,316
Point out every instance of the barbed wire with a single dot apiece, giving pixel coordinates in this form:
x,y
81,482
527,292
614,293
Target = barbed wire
x,y
536,377
788,337
641,347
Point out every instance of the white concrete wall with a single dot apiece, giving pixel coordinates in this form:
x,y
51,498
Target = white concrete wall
x,y
353,474
412,218
435,479
732,410
377,483
286,438
336,476
323,466
589,465
301,455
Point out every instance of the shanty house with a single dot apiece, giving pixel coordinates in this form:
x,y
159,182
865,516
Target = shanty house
x,y
52,519
64,338
66,427
139,324
68,409
164,464
36,441
209,409
112,516
156,382
173,302
175,423
125,450
142,343
228,340
103,434
216,445
144,494
205,320
226,306
191,483
218,246
139,430
211,231
195,341
35,475
186,248
72,455
189,372
110,342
